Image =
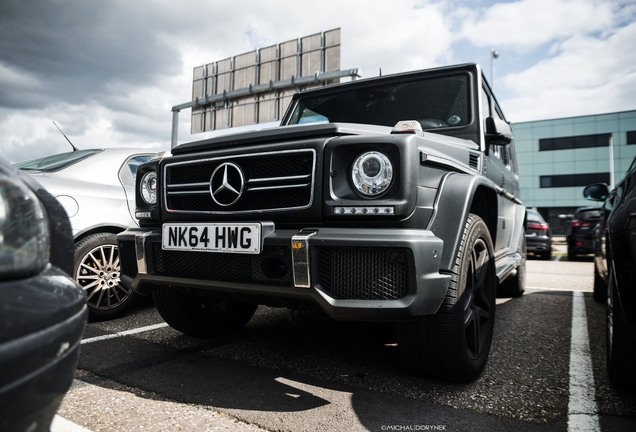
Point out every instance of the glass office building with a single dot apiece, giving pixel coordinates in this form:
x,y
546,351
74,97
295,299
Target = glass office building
x,y
557,158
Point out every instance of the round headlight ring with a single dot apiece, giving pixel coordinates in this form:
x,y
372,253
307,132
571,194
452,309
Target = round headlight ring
x,y
372,174
148,187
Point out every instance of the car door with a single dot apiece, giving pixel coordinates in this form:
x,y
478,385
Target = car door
x,y
501,168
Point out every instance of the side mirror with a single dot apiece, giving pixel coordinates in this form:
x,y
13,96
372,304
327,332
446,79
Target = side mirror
x,y
596,192
498,132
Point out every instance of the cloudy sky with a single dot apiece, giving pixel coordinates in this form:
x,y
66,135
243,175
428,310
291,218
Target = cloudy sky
x,y
108,72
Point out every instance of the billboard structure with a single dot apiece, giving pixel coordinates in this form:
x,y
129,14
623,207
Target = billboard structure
x,y
256,87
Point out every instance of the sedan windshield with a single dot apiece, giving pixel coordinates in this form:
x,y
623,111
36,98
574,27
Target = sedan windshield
x,y
56,162
434,102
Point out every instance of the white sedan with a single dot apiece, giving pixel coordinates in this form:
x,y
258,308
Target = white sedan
x,y
96,188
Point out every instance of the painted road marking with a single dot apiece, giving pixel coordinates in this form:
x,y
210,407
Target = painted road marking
x,y
60,424
582,409
124,333
556,289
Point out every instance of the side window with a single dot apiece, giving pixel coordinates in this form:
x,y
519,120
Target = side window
x,y
495,151
505,154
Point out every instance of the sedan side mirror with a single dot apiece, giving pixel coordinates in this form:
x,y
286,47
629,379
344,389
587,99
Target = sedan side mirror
x,y
596,192
498,132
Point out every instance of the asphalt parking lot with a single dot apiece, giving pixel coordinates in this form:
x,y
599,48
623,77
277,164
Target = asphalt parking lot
x,y
135,373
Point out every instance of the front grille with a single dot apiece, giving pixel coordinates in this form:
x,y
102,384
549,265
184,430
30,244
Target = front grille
x,y
281,180
271,267
363,273
128,258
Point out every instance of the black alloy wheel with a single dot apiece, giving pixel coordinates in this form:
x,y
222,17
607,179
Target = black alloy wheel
x,y
454,344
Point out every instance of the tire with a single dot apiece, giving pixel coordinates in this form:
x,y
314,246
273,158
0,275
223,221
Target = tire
x,y
571,254
621,344
600,287
515,284
200,316
547,255
454,344
97,270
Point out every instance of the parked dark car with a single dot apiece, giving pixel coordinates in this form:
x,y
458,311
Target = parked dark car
x,y
538,235
43,311
615,273
580,236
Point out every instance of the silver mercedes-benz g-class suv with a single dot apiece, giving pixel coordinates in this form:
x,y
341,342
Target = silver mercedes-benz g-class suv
x,y
390,199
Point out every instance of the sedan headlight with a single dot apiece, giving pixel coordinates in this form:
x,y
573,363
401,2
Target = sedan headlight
x,y
24,234
372,173
148,187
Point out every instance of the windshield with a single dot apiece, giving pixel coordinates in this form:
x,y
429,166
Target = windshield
x,y
434,102
56,162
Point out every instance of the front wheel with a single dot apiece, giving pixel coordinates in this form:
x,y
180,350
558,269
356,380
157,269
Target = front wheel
x,y
97,271
454,344
201,316
571,254
621,344
547,255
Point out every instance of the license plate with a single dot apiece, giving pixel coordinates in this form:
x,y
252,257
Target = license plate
x,y
212,237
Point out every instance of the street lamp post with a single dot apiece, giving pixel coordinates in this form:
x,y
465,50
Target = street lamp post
x,y
494,54
611,161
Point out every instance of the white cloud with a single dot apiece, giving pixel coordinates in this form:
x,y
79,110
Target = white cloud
x,y
526,24
557,57
589,75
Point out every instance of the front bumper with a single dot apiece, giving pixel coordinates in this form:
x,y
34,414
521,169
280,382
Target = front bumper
x,y
538,243
352,274
42,319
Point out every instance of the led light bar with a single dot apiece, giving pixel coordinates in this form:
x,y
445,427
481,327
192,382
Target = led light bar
x,y
143,215
370,211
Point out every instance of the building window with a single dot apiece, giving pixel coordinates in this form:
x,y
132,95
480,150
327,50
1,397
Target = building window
x,y
574,142
573,180
631,137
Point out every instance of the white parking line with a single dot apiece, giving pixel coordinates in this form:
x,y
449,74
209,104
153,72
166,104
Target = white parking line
x,y
555,289
124,333
60,424
582,409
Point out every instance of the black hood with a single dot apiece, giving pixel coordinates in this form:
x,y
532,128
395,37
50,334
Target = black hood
x,y
281,133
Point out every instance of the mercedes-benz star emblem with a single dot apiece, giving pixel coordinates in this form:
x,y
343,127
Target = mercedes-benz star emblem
x,y
227,184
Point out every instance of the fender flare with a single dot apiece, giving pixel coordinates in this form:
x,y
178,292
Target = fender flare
x,y
453,203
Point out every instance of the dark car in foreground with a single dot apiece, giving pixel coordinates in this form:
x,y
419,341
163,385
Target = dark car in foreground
x,y
615,273
42,310
96,188
538,235
580,236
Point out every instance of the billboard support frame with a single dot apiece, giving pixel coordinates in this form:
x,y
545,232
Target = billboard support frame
x,y
223,90
293,82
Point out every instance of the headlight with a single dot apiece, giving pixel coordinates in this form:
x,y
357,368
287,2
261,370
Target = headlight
x,y
372,173
148,187
24,234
